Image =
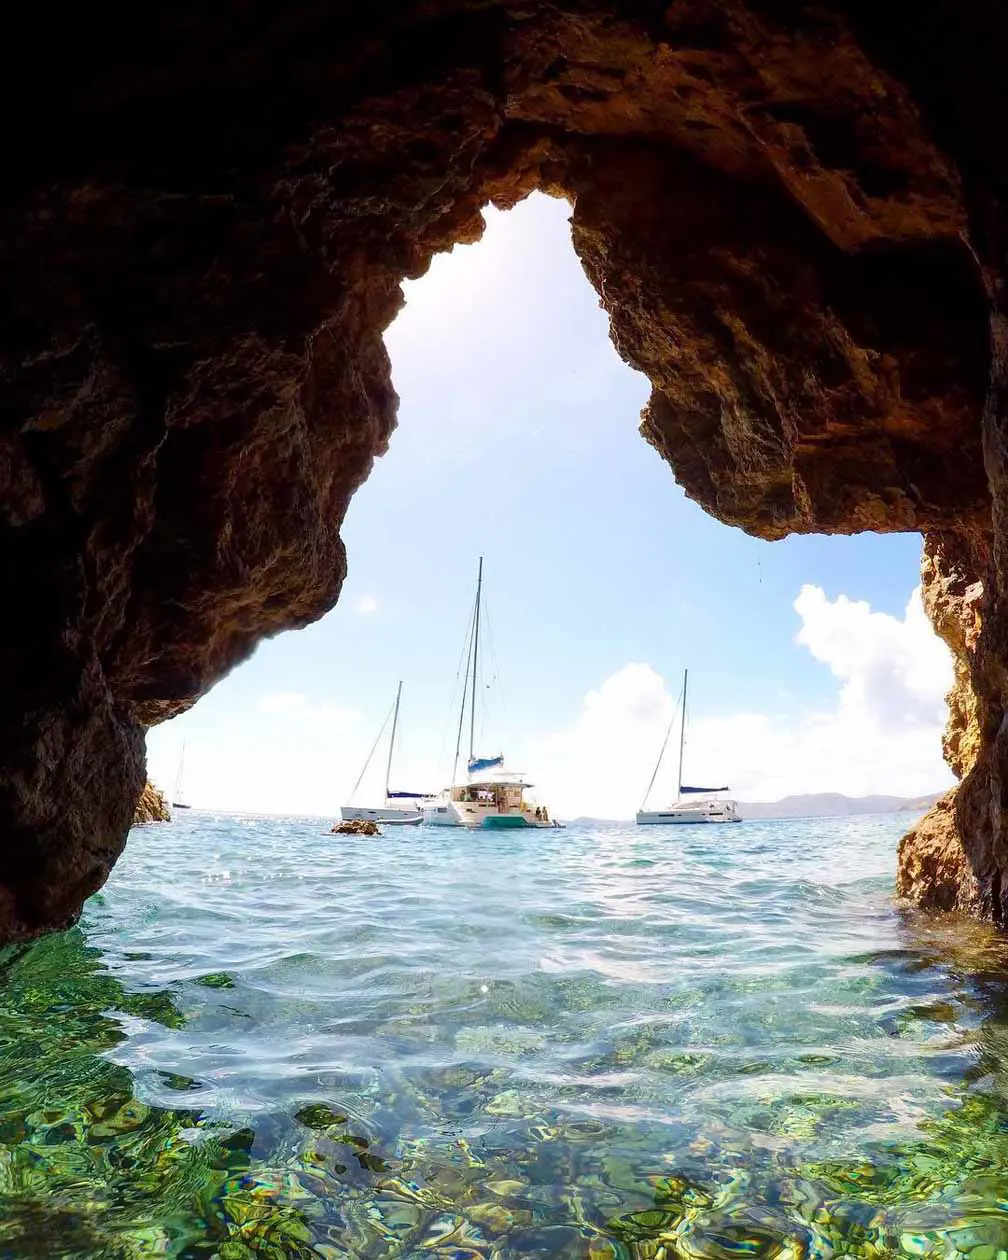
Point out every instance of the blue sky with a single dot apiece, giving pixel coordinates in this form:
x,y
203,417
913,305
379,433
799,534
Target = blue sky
x,y
518,441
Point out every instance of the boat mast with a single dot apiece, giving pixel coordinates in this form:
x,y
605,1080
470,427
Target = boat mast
x,y
682,732
661,755
374,747
465,685
391,746
178,777
475,659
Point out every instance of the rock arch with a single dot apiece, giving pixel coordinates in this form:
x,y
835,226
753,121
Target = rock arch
x,y
793,214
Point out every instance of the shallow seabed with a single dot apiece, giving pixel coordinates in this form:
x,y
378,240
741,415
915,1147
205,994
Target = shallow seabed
x,y
721,1043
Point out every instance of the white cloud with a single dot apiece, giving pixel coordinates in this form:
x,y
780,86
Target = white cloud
x,y
283,753
602,764
883,734
365,605
894,673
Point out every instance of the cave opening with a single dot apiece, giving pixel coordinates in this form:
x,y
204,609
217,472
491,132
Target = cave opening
x,y
815,668
794,222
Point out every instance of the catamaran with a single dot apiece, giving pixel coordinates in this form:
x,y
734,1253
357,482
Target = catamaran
x,y
178,802
395,811
491,795
707,805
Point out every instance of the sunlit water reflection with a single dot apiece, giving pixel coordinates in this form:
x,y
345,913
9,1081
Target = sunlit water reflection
x,y
715,1043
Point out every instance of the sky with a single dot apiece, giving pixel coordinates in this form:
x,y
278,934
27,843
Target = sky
x,y
812,666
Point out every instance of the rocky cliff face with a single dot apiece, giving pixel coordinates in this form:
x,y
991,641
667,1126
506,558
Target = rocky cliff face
x,y
955,858
151,807
794,216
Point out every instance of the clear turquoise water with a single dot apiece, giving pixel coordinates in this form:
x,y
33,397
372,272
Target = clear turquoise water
x,y
609,1042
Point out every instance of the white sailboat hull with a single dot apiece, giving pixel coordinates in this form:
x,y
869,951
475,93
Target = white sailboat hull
x,y
474,814
673,815
443,815
390,815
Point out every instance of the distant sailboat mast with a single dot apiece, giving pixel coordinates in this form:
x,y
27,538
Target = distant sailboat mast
x,y
391,747
685,808
661,754
178,801
392,813
374,748
470,668
487,795
682,734
475,661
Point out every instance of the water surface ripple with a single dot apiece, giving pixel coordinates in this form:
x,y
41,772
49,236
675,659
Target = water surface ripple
x,y
710,1043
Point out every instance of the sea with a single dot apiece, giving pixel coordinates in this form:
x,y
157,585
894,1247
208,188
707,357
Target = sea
x,y
603,1042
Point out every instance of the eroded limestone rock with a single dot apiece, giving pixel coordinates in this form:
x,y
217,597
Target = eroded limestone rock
x,y
955,858
793,215
355,827
151,807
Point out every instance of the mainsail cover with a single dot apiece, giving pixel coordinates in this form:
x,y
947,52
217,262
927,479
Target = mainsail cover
x,y
484,763
697,790
412,796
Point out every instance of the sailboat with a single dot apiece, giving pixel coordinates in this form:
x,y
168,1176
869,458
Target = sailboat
x,y
490,796
391,813
706,805
177,801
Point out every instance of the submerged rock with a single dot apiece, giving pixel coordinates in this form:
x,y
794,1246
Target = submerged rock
x,y
356,827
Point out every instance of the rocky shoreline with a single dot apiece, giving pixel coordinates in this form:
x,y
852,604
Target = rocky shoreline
x,y
151,807
795,219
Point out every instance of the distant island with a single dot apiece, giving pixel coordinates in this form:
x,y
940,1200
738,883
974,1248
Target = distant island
x,y
835,805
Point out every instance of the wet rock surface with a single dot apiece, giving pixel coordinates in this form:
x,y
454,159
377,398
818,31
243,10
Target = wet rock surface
x,y
794,217
151,807
355,827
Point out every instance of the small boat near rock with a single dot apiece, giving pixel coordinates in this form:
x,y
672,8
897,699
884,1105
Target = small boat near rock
x,y
706,804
